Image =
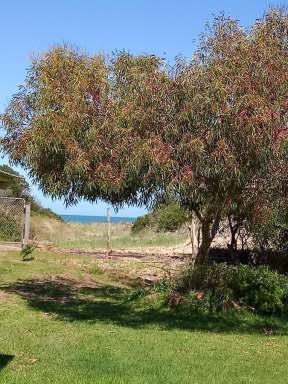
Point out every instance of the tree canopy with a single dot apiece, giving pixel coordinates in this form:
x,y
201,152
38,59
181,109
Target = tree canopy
x,y
131,129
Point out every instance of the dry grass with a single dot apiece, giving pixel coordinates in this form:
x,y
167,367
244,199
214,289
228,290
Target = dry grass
x,y
94,236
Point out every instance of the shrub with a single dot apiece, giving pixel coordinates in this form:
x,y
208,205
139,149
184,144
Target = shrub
x,y
225,286
260,288
164,218
141,223
163,286
26,252
171,217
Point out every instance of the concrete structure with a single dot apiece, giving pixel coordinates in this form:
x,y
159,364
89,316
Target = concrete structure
x,y
6,179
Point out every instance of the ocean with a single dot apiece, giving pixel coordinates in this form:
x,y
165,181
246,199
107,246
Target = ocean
x,y
96,219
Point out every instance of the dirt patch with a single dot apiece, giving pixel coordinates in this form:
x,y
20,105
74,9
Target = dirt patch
x,y
117,253
146,268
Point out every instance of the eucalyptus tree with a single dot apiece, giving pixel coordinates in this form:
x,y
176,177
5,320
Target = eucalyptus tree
x,y
128,129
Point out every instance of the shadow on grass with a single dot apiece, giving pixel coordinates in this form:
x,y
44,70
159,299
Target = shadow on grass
x,y
5,360
71,300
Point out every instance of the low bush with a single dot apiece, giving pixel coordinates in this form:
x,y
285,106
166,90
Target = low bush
x,y
164,286
171,217
166,218
221,286
26,252
141,223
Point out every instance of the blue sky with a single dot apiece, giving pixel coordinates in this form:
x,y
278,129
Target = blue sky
x,y
163,27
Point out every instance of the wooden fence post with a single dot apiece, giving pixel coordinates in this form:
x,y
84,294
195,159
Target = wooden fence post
x,y
108,230
26,225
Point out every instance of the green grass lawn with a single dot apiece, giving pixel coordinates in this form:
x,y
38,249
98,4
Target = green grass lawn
x,y
63,321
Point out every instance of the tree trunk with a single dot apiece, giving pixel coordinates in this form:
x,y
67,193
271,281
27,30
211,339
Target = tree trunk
x,y
194,239
209,230
206,241
233,244
233,231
